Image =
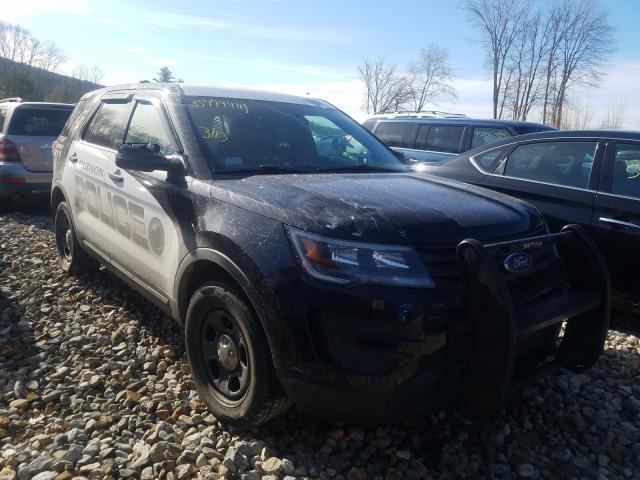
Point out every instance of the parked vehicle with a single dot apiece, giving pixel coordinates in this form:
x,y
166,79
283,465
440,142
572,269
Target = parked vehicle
x,y
590,178
27,130
436,139
334,278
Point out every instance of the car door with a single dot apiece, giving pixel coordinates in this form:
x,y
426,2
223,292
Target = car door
x,y
144,242
616,216
85,170
553,174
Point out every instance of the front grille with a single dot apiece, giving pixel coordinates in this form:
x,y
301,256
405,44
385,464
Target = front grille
x,y
545,275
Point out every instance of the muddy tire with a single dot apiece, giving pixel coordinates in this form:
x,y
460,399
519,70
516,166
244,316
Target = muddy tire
x,y
71,256
230,358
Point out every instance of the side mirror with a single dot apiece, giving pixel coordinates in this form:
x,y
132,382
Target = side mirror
x,y
146,157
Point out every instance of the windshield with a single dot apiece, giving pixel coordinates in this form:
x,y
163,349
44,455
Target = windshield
x,y
241,135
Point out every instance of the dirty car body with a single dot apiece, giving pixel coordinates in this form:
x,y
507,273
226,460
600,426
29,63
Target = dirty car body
x,y
380,293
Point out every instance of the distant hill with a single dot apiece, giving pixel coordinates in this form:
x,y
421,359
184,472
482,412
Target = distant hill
x,y
38,85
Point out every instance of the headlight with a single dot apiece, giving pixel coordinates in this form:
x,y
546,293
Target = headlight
x,y
352,263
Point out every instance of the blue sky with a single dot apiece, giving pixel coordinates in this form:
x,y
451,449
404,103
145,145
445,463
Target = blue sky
x,y
296,46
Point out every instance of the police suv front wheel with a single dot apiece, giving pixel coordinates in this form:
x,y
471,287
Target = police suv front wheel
x,y
72,258
230,359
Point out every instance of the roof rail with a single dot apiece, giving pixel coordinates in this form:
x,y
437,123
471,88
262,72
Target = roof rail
x,y
420,114
11,99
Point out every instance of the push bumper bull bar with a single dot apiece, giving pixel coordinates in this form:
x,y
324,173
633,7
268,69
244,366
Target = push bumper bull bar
x,y
497,324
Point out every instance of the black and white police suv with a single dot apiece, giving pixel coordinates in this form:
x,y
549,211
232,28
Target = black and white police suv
x,y
318,272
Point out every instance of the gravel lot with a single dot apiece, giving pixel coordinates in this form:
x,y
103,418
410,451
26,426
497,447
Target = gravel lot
x,y
94,383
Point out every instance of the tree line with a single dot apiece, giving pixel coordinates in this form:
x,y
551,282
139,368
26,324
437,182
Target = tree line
x,y
538,55
425,81
30,68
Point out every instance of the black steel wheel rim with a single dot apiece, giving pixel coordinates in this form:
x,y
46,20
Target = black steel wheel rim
x,y
225,357
65,239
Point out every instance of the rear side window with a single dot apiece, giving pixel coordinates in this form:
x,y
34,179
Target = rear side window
x,y
39,122
444,138
77,116
560,163
487,136
396,134
487,161
369,124
3,117
107,127
146,126
626,171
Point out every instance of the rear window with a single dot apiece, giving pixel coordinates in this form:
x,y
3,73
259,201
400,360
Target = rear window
x,y
39,122
396,134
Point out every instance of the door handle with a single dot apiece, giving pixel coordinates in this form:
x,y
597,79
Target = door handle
x,y
73,158
116,176
618,223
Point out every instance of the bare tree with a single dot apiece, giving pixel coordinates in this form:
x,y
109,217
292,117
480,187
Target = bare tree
x,y
88,74
578,116
500,22
431,77
585,44
387,90
19,45
615,115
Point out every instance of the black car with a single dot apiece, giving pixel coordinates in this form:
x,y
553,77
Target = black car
x,y
590,178
315,273
437,139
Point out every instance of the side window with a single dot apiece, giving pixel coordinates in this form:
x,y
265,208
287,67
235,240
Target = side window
x,y
486,136
487,160
444,138
3,117
421,138
626,170
147,126
396,134
107,126
560,163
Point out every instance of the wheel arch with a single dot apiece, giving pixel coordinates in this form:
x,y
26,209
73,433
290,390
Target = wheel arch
x,y
57,196
206,264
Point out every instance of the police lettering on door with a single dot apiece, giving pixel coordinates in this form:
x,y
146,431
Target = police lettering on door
x,y
126,217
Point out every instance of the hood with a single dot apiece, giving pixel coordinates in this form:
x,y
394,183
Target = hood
x,y
381,207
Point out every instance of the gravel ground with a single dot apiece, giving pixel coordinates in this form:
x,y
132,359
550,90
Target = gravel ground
x,y
94,383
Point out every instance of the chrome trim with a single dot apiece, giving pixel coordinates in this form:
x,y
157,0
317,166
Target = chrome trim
x,y
619,223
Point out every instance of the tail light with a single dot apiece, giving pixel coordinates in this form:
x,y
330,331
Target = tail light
x,y
8,151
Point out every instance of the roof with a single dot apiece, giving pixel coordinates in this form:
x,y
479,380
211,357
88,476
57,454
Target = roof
x,y
466,121
601,133
222,92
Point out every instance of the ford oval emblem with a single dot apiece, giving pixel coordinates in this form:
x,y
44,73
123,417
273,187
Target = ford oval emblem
x,y
518,262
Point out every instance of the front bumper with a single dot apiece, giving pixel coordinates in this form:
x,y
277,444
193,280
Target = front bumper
x,y
16,180
467,356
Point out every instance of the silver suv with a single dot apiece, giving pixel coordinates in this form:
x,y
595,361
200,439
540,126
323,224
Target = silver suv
x,y
27,130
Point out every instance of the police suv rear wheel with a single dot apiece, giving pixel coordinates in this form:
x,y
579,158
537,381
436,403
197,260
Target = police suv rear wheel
x,y
230,359
72,258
